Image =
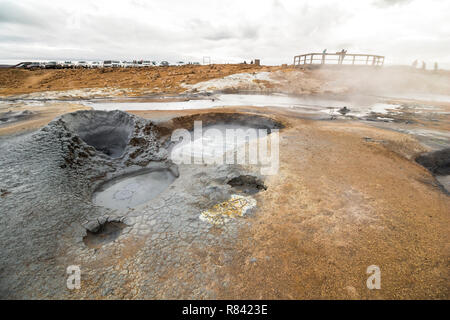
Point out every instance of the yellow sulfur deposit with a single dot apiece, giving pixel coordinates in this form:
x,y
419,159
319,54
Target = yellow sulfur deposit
x,y
222,212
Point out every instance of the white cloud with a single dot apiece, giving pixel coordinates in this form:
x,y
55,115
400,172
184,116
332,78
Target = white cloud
x,y
228,31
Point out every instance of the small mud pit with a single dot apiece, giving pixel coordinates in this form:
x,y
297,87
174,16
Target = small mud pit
x,y
131,190
103,234
247,184
226,119
438,162
213,142
215,134
107,132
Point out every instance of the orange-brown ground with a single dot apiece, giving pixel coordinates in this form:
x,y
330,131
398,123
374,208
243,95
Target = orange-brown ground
x,y
139,80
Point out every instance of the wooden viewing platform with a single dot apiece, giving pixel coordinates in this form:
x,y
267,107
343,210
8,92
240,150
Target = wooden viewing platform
x,y
338,58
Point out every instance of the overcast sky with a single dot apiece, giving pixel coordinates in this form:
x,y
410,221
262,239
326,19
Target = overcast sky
x,y
227,31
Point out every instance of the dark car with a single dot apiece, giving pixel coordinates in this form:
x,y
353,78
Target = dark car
x,y
34,66
51,65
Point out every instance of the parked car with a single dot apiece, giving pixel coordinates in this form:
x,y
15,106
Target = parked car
x,y
95,64
23,64
67,65
111,63
51,65
180,63
34,66
147,64
82,64
164,64
128,64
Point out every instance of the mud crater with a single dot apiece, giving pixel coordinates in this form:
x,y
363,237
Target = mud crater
x,y
216,118
247,184
103,233
213,144
438,162
107,132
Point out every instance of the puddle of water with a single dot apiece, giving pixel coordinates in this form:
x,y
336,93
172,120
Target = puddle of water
x,y
10,116
383,108
444,181
213,143
430,133
132,190
227,100
420,96
359,106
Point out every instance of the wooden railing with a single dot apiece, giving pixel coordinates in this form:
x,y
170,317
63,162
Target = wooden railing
x,y
338,58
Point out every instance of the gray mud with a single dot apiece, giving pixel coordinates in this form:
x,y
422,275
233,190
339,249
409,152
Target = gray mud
x,y
103,233
131,190
106,132
49,220
11,116
247,184
438,163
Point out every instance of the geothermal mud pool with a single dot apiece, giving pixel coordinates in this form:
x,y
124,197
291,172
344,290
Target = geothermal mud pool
x,y
134,189
97,189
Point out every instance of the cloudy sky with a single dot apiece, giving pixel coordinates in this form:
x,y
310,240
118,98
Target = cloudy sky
x,y
227,31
